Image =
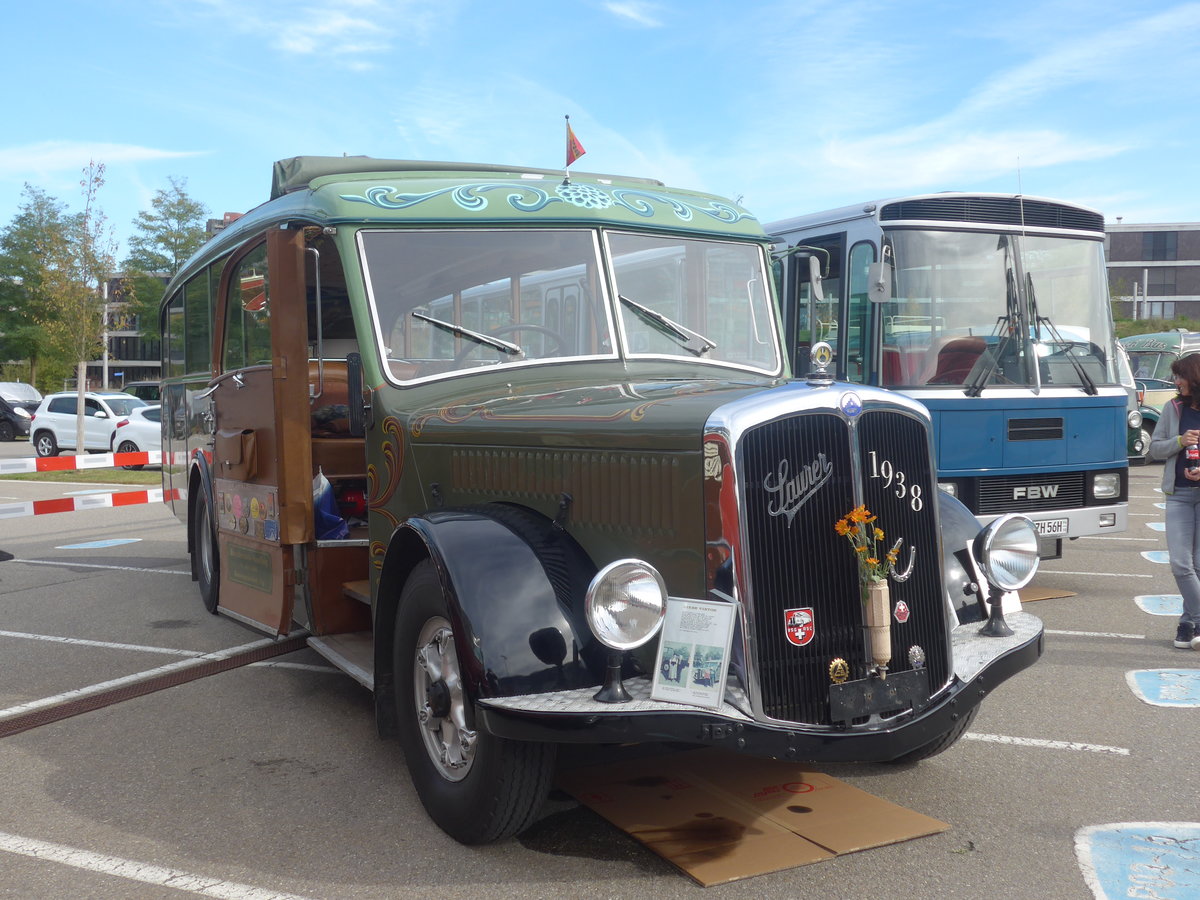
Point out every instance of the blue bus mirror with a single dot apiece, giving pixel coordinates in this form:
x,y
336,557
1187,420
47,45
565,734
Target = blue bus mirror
x,y
879,278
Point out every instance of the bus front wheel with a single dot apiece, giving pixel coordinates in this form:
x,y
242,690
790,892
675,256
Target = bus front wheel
x,y
208,573
477,787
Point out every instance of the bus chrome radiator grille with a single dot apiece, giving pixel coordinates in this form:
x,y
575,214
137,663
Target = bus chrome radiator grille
x,y
798,480
905,506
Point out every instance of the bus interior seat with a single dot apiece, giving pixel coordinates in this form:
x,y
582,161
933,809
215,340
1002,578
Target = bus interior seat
x,y
954,360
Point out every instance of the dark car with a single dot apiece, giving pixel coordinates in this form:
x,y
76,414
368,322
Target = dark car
x,y
18,400
144,390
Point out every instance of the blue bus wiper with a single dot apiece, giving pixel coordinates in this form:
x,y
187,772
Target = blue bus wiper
x,y
691,340
982,374
1085,380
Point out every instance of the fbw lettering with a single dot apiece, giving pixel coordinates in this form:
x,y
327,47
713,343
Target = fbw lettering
x,y
1035,492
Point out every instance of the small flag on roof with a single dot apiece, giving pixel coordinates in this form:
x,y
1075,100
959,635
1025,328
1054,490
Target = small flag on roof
x,y
574,148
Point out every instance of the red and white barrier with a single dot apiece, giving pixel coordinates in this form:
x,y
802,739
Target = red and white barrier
x,y
87,461
86,501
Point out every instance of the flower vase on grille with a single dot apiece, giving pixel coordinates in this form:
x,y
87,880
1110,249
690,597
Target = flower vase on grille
x,y
879,623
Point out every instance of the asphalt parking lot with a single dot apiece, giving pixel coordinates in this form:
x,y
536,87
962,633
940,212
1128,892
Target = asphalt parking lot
x,y
268,780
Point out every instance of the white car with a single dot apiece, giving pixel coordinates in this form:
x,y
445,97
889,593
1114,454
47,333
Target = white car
x,y
54,425
139,432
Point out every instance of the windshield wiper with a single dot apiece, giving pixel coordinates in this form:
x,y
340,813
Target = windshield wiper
x,y
1085,380
486,340
690,340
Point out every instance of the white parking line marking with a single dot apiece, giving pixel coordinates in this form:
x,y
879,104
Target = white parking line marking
x,y
1102,574
1107,634
108,645
1105,537
1047,745
64,562
136,678
137,871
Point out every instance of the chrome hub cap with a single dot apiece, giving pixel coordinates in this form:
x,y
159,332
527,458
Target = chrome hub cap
x,y
439,701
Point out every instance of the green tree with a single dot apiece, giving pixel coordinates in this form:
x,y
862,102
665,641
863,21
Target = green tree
x,y
166,235
74,277
38,234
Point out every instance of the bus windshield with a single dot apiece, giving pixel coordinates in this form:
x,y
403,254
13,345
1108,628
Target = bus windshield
x,y
449,302
977,309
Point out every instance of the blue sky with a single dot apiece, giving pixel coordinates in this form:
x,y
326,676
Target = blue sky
x,y
793,106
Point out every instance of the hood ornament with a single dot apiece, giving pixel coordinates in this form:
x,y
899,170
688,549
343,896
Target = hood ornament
x,y
820,357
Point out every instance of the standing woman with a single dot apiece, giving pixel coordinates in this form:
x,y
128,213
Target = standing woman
x,y
1178,427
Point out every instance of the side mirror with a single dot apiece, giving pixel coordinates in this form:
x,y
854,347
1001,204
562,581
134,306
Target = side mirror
x,y
879,278
814,278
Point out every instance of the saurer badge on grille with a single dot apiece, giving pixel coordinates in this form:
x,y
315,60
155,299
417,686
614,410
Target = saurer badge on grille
x,y
798,625
792,493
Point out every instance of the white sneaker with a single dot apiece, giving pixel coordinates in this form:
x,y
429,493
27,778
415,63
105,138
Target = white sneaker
x,y
1196,642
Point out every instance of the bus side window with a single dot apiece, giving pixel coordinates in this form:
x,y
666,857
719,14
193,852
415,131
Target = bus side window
x,y
858,312
247,315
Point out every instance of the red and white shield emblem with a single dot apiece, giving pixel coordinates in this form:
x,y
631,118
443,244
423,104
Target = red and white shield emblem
x,y
798,625
901,612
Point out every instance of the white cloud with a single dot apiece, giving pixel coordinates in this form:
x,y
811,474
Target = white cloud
x,y
635,11
345,33
58,156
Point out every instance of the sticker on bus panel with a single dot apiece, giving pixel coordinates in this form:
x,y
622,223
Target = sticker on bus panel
x,y
1052,527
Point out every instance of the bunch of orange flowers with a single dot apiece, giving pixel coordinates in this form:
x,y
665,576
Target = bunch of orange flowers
x,y
859,528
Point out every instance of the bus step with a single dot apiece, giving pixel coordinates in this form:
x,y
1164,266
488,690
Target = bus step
x,y
358,590
352,652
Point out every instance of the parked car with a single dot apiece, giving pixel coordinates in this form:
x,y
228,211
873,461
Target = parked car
x,y
138,432
146,390
18,400
1137,441
54,421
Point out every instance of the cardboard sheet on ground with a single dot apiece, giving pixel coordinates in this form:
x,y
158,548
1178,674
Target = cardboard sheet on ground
x,y
1033,592
720,816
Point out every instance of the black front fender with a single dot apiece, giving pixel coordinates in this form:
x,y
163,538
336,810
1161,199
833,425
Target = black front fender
x,y
514,585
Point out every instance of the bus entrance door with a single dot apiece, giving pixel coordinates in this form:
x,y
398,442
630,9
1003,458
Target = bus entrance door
x,y
262,457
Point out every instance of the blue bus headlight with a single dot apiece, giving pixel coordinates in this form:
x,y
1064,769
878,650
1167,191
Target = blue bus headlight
x,y
1106,486
625,604
1007,551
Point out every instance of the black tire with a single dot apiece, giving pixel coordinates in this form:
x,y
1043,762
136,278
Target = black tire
x,y
205,559
7,432
44,444
940,744
129,447
483,788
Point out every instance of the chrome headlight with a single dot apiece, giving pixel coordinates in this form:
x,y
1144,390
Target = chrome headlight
x,y
22,412
1134,418
625,604
1007,551
1106,486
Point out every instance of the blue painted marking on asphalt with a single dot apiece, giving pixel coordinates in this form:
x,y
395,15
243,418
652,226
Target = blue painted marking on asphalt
x,y
1157,526
97,545
1156,556
1160,604
1166,687
1141,859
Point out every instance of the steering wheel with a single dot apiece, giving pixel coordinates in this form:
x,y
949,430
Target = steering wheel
x,y
560,343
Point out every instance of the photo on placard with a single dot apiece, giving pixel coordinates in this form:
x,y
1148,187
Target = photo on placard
x,y
693,653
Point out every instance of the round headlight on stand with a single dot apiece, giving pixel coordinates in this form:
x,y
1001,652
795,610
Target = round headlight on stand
x,y
1007,551
625,604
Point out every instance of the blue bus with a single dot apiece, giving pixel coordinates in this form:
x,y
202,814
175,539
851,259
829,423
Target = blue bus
x,y
993,311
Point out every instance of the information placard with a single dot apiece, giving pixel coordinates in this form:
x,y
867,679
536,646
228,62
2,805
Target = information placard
x,y
693,654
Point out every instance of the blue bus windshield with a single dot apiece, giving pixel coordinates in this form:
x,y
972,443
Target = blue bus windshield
x,y
976,308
